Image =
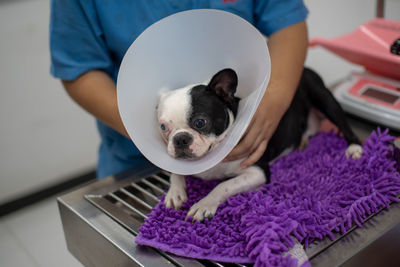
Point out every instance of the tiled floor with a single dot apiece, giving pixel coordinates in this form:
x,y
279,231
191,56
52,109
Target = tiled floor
x,y
34,237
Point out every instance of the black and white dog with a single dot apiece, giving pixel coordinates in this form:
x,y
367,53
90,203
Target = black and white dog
x,y
194,119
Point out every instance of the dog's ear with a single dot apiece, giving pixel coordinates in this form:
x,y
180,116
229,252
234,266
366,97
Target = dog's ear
x,y
224,84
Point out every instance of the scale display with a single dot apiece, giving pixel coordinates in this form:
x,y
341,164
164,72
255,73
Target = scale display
x,y
380,95
374,90
372,97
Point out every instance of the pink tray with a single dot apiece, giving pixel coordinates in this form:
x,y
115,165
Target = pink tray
x,y
369,46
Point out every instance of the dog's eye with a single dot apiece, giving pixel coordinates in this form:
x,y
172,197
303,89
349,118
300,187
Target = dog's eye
x,y
163,127
199,123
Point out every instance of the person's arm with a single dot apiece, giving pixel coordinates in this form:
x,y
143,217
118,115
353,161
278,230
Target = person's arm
x,y
95,91
287,49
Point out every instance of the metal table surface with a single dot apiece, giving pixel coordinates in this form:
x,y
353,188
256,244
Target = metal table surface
x,y
98,235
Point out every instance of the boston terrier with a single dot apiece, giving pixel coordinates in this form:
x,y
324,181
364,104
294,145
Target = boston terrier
x,y
196,118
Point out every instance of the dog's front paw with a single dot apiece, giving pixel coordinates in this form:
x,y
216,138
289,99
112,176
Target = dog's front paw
x,y
175,197
354,151
205,208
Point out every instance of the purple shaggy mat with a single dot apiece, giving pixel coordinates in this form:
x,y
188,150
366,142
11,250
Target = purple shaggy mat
x,y
312,193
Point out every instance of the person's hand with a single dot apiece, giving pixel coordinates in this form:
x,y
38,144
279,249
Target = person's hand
x,y
287,48
261,128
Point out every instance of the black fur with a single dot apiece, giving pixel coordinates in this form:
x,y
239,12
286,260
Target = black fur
x,y
211,103
310,93
224,84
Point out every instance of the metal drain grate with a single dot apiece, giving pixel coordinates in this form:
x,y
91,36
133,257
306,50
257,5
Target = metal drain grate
x,y
129,204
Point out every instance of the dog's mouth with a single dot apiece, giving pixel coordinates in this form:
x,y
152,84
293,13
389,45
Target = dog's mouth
x,y
187,154
184,154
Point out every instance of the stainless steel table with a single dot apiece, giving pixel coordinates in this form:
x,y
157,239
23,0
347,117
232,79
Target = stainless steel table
x,y
101,219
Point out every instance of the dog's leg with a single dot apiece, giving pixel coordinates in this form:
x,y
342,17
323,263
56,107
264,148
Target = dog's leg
x,y
176,195
325,102
250,179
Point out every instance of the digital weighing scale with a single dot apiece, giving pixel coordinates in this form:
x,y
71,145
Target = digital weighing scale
x,y
375,94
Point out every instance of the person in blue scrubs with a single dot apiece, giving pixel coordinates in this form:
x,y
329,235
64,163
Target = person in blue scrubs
x,y
89,38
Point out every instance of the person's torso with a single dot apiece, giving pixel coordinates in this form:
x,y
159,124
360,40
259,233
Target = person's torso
x,y
122,21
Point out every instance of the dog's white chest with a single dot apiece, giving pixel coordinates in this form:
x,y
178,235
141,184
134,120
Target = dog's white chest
x,y
221,171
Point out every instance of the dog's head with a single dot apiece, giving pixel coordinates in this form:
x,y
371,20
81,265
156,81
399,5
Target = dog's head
x,y
194,119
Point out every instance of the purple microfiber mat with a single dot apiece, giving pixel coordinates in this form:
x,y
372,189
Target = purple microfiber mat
x,y
313,193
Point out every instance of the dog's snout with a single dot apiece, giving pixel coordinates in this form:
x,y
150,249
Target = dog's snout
x,y
183,140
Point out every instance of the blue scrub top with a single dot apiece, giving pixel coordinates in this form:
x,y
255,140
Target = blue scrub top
x,y
90,35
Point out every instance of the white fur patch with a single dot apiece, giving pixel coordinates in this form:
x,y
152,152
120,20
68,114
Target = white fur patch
x,y
174,106
173,109
354,151
221,170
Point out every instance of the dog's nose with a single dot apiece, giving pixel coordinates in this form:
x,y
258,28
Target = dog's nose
x,y
183,140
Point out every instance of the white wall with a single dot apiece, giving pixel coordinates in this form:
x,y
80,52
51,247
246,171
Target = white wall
x,y
46,137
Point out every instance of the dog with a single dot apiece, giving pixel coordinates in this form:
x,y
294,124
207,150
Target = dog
x,y
196,118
